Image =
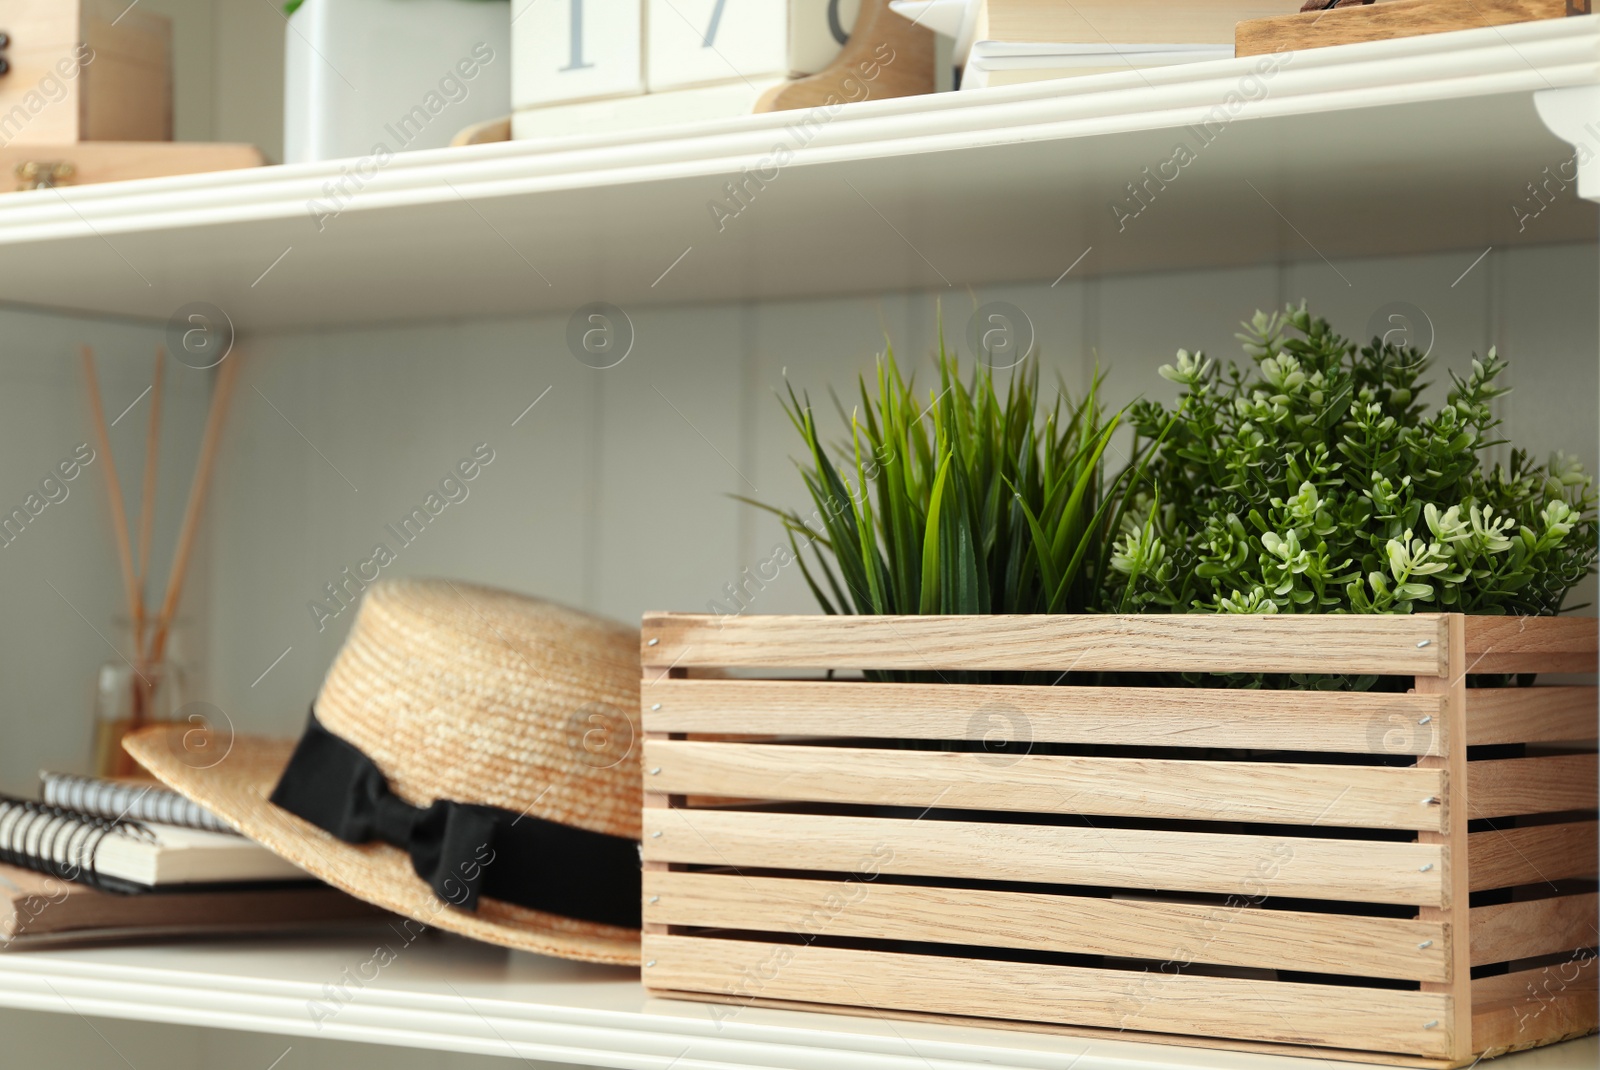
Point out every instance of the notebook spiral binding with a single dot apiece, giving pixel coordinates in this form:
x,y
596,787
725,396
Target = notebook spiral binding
x,y
60,842
138,802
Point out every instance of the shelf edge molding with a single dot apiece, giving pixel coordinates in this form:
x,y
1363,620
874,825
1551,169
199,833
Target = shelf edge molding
x,y
1572,113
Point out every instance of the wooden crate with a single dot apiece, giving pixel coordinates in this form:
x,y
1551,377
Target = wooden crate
x,y
1250,869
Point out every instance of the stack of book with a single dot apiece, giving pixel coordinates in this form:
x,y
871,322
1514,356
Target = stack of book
x,y
1004,42
101,859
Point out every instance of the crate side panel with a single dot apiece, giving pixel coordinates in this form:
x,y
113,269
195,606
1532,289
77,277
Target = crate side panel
x,y
1507,787
1506,858
1405,645
1264,792
1504,932
1344,722
1324,1015
1530,1008
1343,870
1532,644
1222,934
1531,715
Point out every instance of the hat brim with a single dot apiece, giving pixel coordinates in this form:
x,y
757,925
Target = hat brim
x,y
235,785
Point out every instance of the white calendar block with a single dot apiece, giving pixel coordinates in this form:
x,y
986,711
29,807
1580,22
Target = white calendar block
x,y
818,29
703,42
567,50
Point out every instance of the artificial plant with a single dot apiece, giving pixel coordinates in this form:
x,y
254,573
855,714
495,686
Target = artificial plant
x,y
1314,480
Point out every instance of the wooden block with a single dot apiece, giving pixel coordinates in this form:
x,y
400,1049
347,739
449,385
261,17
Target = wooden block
x,y
90,70
1347,722
1116,999
1233,935
1380,22
1505,932
818,30
699,42
1532,644
565,50
1511,786
646,111
1140,859
1267,792
1531,715
885,56
1506,858
1408,645
94,162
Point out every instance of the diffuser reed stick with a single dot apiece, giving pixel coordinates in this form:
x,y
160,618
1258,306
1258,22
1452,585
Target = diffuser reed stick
x,y
197,497
147,497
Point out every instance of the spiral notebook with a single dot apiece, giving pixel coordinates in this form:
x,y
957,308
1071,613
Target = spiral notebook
x,y
131,799
127,855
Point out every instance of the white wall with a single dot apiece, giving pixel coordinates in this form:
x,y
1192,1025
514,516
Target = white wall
x,y
616,491
59,578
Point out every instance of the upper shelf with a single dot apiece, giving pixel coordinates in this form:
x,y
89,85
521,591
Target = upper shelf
x,y
1413,145
448,994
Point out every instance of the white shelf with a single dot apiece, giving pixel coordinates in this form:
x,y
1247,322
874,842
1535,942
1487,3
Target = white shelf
x,y
447,994
1423,144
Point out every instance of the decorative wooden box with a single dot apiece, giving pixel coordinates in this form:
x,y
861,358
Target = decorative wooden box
x,y
84,70
1402,876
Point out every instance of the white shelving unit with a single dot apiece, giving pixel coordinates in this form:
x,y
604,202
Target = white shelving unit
x,y
959,190
447,994
1432,144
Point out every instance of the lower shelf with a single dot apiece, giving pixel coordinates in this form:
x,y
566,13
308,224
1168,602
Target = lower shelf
x,y
375,985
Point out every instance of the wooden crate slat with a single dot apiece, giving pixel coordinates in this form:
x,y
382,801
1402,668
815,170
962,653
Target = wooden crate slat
x,y
1505,858
1344,870
1286,1012
1537,1006
1347,722
1531,714
1451,686
1269,792
1555,644
1508,786
1407,645
1235,935
1508,931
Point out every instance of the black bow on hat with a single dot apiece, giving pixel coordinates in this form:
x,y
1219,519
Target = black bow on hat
x,y
462,850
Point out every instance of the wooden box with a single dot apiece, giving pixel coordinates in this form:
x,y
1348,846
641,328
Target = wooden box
x,y
1402,876
84,70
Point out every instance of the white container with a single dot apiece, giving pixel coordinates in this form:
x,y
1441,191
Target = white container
x,y
400,74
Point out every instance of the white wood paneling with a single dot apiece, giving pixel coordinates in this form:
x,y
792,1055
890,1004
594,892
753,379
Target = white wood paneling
x,y
53,641
670,457
336,438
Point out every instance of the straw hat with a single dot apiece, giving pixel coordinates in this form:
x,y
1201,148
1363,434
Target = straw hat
x,y
524,711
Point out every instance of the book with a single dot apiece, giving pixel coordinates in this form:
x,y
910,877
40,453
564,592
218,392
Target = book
x,y
41,909
1148,24
1003,63
1121,21
135,800
129,855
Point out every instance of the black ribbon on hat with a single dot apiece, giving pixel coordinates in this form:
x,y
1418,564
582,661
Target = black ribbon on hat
x,y
463,850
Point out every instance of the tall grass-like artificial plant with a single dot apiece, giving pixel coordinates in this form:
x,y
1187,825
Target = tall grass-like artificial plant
x,y
970,498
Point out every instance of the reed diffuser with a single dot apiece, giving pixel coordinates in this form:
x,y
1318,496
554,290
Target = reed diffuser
x,y
145,685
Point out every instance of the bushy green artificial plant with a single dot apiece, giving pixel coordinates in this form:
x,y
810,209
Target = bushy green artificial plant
x,y
1314,480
